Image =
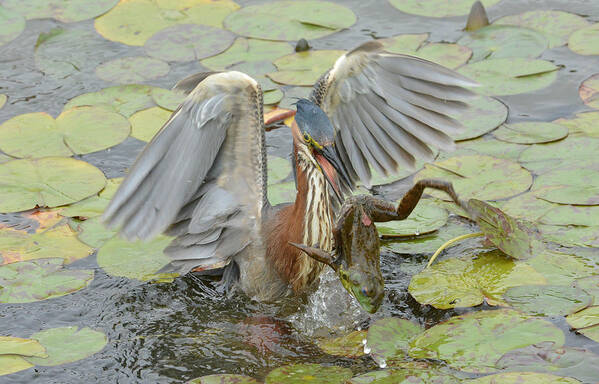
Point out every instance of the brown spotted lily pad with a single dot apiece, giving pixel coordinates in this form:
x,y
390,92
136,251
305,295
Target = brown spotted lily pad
x,y
568,187
547,300
389,339
349,345
129,70
308,373
589,91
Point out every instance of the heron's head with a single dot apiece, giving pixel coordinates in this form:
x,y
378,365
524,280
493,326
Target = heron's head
x,y
316,133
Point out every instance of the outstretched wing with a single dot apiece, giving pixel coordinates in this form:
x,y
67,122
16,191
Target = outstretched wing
x,y
202,177
387,109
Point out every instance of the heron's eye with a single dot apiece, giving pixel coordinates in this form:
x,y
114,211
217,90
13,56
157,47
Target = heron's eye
x,y
306,137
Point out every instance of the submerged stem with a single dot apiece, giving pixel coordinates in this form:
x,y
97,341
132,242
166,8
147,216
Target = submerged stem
x,y
449,242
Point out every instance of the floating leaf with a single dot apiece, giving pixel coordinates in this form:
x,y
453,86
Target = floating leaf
x,y
437,8
41,279
68,344
304,68
527,206
523,377
389,338
308,373
405,43
446,54
93,206
167,99
480,177
503,41
580,187
12,363
571,215
586,322
248,50
468,281
78,130
426,218
3,99
46,182
282,193
589,92
487,146
576,236
278,169
132,22
475,341
11,26
405,376
224,378
272,97
531,132
510,76
349,345
561,268
484,115
24,347
145,124
128,70
583,124
585,41
124,99
547,300
570,153
92,232
187,42
590,285
67,11
290,20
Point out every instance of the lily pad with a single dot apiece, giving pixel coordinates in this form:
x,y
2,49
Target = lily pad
x,y
3,99
585,41
531,132
570,153
78,130
545,358
426,218
589,91
139,260
280,193
438,8
576,236
248,50
40,279
510,76
93,206
580,187
562,268
68,344
406,376
290,20
273,96
46,182
527,206
11,25
571,215
132,22
475,341
224,378
590,285
349,345
304,68
129,70
67,11
480,177
145,124
523,377
167,99
308,373
583,124
504,41
487,146
124,99
586,322
278,169
92,232
556,25
18,346
389,338
13,363
449,55
405,43
547,300
468,281
484,115
187,42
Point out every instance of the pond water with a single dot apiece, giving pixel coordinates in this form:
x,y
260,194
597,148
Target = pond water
x,y
173,332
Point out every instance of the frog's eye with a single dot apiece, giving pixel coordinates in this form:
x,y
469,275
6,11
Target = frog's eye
x,y
306,137
365,291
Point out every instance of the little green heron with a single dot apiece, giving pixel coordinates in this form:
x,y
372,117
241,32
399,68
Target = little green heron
x,y
202,178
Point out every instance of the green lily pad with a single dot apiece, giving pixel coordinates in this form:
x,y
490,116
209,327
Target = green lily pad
x,y
547,300
590,285
247,50
575,236
405,43
11,25
504,41
480,177
24,347
389,338
486,146
517,238
67,11
40,279
3,99
280,193
586,322
273,96
187,42
349,345
532,132
585,41
426,218
580,187
527,206
135,69
438,8
583,124
132,22
92,232
93,206
167,99
224,378
510,76
139,260
561,268
449,55
290,20
484,115
46,182
571,215
556,25
13,363
468,281
78,130
278,169
405,376
589,91
146,123
308,373
304,68
545,358
475,341
571,153
124,99
68,344
523,377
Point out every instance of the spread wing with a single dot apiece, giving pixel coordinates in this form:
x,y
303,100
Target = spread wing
x,y
202,177
387,109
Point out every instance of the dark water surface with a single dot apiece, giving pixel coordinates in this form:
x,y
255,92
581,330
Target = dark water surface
x,y
162,333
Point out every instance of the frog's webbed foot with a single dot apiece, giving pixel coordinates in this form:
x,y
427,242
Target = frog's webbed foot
x,y
318,255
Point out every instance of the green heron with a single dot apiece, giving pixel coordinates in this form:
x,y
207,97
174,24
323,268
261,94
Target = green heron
x,y
202,178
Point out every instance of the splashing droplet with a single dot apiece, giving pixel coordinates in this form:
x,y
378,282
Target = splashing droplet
x,y
364,341
383,364
417,232
366,349
359,328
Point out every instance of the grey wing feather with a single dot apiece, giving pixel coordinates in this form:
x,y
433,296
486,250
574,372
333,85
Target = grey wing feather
x,y
201,177
389,109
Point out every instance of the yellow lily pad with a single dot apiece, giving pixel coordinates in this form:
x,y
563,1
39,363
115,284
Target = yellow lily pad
x,y
145,124
304,68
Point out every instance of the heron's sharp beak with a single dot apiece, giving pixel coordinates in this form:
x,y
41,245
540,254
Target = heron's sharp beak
x,y
333,168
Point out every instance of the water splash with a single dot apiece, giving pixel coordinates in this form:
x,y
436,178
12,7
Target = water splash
x,y
382,364
367,349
